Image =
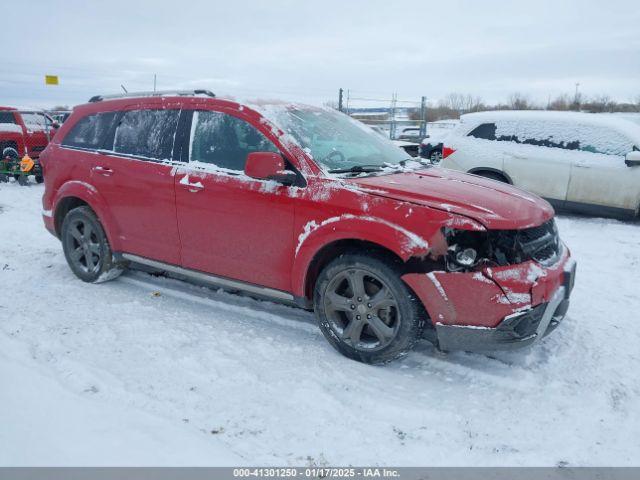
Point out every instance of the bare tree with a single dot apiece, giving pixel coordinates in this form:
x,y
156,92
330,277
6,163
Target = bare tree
x,y
561,102
519,101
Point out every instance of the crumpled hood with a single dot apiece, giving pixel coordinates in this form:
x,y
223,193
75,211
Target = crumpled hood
x,y
496,205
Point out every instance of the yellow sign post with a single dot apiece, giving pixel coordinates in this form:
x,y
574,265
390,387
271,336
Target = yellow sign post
x,y
51,80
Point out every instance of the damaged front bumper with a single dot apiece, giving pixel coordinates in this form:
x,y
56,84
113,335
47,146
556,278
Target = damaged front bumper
x,y
503,308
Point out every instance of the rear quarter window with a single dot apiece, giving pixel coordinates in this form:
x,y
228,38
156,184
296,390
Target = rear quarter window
x,y
90,132
486,131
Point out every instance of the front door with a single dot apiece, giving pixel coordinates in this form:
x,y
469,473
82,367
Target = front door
x,y
232,225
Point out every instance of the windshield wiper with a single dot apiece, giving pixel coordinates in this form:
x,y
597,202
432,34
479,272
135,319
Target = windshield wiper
x,y
358,169
421,160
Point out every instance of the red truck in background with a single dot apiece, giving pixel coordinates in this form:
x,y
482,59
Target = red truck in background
x,y
28,132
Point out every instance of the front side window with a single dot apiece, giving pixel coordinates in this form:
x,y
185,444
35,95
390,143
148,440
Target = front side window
x,y
147,133
90,131
224,140
596,139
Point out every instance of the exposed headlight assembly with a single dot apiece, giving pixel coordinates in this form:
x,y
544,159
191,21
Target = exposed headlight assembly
x,y
467,249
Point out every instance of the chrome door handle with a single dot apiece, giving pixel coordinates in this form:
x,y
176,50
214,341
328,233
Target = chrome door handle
x,y
106,171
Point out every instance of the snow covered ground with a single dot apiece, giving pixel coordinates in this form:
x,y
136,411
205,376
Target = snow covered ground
x,y
151,371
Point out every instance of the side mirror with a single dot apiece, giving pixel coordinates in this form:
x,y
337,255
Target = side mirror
x,y
632,159
268,166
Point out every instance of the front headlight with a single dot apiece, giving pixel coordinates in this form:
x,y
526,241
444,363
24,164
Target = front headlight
x,y
466,249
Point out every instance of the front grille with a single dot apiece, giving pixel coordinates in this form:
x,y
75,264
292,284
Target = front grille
x,y
540,243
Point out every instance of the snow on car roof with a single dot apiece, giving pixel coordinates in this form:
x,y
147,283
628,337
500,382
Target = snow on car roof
x,y
618,123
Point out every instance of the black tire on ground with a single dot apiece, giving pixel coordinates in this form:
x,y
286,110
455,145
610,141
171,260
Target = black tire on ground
x,y
365,310
493,176
39,179
86,247
22,179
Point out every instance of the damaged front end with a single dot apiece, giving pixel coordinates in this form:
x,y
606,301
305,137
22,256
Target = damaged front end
x,y
498,288
470,249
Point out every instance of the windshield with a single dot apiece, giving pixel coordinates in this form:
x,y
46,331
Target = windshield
x,y
336,141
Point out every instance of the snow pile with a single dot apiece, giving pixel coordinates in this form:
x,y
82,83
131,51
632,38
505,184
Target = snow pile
x,y
145,370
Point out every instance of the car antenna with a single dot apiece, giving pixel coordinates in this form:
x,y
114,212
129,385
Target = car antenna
x,y
125,90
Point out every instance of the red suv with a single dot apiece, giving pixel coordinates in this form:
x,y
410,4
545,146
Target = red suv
x,y
306,206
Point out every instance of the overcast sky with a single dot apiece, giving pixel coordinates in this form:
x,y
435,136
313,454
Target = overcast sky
x,y
305,50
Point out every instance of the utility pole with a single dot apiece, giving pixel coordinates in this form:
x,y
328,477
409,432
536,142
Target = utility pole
x,y
154,82
423,117
340,92
392,112
576,99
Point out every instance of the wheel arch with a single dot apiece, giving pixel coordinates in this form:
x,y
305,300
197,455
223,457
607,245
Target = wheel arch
x,y
497,171
75,194
319,244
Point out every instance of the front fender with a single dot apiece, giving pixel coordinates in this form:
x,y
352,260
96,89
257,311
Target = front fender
x,y
316,235
88,193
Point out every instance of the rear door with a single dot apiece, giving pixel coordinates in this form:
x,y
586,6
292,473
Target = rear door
x,y
533,159
134,175
599,175
232,225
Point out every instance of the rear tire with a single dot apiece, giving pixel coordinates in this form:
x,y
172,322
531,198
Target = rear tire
x,y
86,247
22,180
39,179
365,310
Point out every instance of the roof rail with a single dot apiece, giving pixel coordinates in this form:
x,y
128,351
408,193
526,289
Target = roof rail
x,y
159,93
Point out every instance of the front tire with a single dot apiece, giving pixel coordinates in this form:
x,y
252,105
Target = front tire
x,y
365,310
86,247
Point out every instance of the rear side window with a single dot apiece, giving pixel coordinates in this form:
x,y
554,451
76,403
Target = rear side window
x,y
147,133
486,131
565,135
7,117
90,131
224,140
